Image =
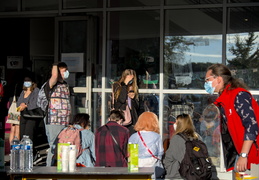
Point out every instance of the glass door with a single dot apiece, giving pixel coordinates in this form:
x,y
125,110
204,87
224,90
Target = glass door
x,y
72,47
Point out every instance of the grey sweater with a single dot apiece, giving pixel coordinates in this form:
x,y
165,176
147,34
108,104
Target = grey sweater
x,y
173,157
31,100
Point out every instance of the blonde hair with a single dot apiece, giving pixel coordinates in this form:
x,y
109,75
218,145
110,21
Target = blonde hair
x,y
147,121
134,85
185,126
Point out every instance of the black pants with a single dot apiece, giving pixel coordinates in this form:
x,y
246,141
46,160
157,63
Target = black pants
x,y
29,127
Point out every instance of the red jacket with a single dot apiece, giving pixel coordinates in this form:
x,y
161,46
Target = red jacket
x,y
234,123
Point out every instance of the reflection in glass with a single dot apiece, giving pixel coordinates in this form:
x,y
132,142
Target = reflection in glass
x,y
191,46
133,3
8,5
204,115
96,111
242,1
79,4
149,102
242,44
79,103
134,44
39,5
210,131
190,2
73,39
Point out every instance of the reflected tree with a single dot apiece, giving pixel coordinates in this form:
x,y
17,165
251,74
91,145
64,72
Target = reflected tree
x,y
245,63
246,52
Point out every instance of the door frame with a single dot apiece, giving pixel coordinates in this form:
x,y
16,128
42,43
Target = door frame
x,y
87,90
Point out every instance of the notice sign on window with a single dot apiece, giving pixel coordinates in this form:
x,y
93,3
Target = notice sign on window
x,y
14,62
74,61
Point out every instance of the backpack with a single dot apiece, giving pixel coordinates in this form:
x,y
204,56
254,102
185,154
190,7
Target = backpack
x,y
43,100
195,164
71,135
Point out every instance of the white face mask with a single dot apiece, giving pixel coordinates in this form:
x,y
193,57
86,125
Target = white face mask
x,y
66,74
175,126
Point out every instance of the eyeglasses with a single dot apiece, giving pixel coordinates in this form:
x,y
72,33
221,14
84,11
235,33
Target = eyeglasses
x,y
207,79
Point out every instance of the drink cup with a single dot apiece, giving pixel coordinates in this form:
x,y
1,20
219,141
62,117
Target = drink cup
x,y
72,158
65,158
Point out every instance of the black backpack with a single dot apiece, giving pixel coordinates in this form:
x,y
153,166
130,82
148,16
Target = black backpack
x,y
195,164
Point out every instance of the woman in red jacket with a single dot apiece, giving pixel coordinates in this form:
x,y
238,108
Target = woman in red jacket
x,y
239,117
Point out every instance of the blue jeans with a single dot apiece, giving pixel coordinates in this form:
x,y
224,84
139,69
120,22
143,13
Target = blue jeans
x,y
52,132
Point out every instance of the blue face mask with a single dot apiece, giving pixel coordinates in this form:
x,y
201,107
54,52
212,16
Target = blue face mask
x,y
27,83
66,74
208,87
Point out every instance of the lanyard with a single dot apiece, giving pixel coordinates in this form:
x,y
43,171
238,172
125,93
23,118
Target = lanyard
x,y
146,146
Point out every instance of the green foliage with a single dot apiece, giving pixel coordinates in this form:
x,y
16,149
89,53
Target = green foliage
x,y
245,51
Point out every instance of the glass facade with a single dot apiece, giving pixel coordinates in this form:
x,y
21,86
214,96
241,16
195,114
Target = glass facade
x,y
191,44
38,5
133,43
133,3
80,4
168,43
242,44
192,2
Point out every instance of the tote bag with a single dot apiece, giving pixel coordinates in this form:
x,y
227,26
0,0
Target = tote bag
x,y
13,115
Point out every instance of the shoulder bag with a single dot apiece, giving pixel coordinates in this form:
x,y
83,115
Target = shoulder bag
x,y
13,115
114,140
33,113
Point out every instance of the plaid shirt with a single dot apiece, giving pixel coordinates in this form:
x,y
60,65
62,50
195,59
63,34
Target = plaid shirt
x,y
107,152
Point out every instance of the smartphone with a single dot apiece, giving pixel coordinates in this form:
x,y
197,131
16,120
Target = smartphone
x,y
130,82
131,91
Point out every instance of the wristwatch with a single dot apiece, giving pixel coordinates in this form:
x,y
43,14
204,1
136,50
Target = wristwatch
x,y
244,155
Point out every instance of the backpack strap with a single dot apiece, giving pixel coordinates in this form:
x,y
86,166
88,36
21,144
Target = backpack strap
x,y
182,136
116,142
150,152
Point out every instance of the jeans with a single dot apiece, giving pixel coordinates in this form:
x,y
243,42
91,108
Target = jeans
x,y
52,132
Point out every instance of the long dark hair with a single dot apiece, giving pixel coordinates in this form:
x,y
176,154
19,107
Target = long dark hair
x,y
224,72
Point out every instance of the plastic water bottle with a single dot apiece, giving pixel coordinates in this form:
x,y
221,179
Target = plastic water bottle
x,y
28,154
15,156
22,153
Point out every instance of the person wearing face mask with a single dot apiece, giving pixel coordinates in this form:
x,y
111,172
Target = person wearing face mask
x,y
58,112
28,100
239,117
125,92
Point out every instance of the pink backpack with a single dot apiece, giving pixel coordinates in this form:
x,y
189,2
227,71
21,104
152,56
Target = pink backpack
x,y
71,135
